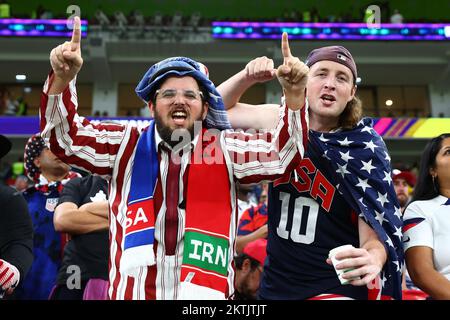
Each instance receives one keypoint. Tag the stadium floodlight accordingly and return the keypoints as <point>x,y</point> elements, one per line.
<point>121,20</point>
<point>194,21</point>
<point>176,26</point>
<point>177,20</point>
<point>158,19</point>
<point>159,31</point>
<point>139,22</point>
<point>139,19</point>
<point>102,18</point>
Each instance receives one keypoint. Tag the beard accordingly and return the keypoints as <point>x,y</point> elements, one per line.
<point>402,200</point>
<point>244,292</point>
<point>174,137</point>
<point>182,135</point>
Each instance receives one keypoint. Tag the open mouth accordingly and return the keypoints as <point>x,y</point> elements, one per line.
<point>179,116</point>
<point>327,99</point>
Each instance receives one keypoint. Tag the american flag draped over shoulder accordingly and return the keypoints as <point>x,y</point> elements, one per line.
<point>361,167</point>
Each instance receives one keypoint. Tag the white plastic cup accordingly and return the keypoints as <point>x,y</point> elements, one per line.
<point>335,262</point>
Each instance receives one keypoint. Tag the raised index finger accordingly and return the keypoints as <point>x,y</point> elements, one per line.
<point>285,46</point>
<point>76,33</point>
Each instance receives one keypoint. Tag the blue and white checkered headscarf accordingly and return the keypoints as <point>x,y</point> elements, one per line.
<point>182,66</point>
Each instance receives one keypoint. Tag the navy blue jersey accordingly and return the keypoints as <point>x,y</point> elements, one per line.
<point>89,251</point>
<point>307,218</point>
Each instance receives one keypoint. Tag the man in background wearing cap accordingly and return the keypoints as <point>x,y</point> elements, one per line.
<point>252,225</point>
<point>249,267</point>
<point>172,209</point>
<point>16,234</point>
<point>49,175</point>
<point>403,181</point>
<point>341,193</point>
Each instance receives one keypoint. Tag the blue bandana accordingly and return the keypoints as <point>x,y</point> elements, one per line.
<point>182,66</point>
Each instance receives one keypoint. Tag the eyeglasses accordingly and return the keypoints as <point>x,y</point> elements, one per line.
<point>170,94</point>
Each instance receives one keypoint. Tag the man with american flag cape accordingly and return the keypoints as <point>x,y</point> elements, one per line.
<point>341,193</point>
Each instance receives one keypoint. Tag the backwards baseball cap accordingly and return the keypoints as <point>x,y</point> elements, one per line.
<point>337,54</point>
<point>257,250</point>
<point>5,146</point>
<point>408,176</point>
<point>180,67</point>
<point>33,149</point>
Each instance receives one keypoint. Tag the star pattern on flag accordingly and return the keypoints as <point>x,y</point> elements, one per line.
<point>389,242</point>
<point>370,145</point>
<point>362,201</point>
<point>387,177</point>
<point>367,129</point>
<point>338,187</point>
<point>397,264</point>
<point>363,184</point>
<point>368,166</point>
<point>398,232</point>
<point>382,198</point>
<point>342,170</point>
<point>398,213</point>
<point>322,138</point>
<point>383,280</point>
<point>345,142</point>
<point>360,163</point>
<point>379,216</point>
<point>346,156</point>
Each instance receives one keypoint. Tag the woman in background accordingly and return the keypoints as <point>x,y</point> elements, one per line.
<point>426,225</point>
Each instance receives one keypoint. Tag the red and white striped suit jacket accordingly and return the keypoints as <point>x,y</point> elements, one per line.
<point>108,150</point>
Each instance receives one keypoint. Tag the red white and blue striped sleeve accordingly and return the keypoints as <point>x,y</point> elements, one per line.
<point>267,155</point>
<point>74,139</point>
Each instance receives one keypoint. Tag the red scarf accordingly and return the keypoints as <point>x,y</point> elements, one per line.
<point>209,228</point>
<point>209,237</point>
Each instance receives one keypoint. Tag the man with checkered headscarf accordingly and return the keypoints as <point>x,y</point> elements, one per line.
<point>171,195</point>
<point>49,174</point>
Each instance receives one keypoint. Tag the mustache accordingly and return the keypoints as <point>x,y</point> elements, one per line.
<point>179,108</point>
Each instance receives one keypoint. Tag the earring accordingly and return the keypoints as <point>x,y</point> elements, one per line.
<point>434,183</point>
